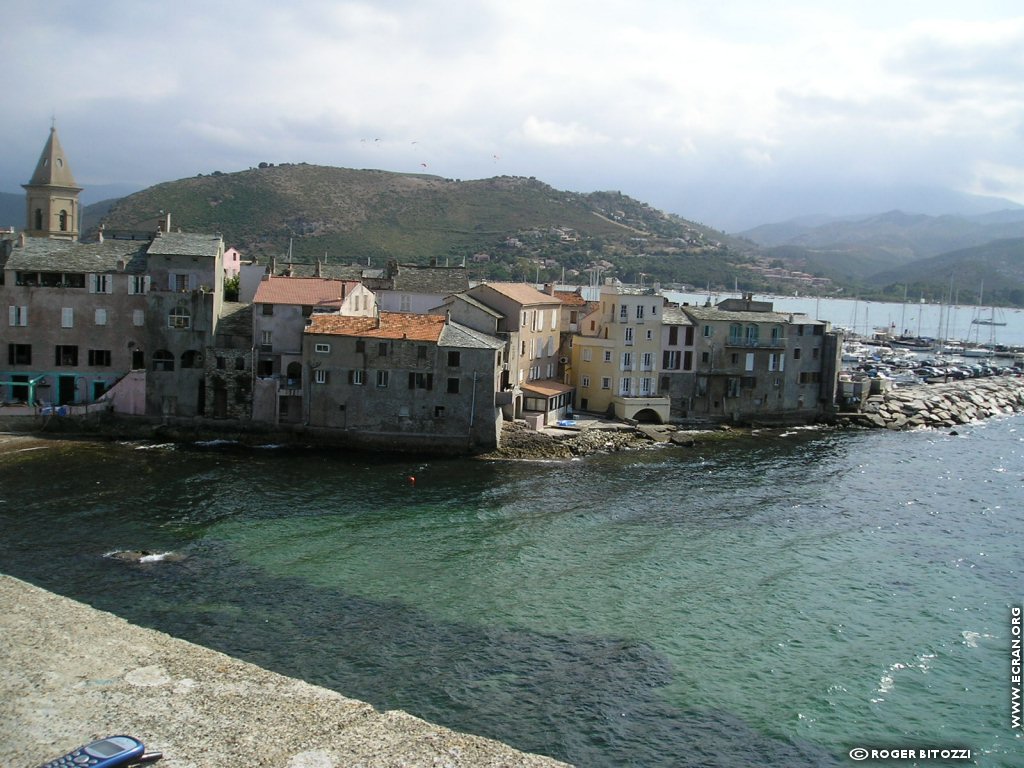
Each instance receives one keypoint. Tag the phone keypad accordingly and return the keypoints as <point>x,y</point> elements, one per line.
<point>72,760</point>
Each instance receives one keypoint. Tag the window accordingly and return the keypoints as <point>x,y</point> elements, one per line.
<point>421,352</point>
<point>138,284</point>
<point>606,383</point>
<point>383,379</point>
<point>454,359</point>
<point>707,331</point>
<point>382,349</point>
<point>63,219</point>
<point>607,355</point>
<point>646,386</point>
<point>99,358</point>
<point>647,362</point>
<point>163,361</point>
<point>320,376</point>
<point>705,357</point>
<point>268,309</point>
<point>19,354</point>
<point>101,283</point>
<point>404,303</point>
<point>749,363</point>
<point>222,363</point>
<point>732,388</point>
<point>438,411</point>
<point>688,361</point>
<point>585,382</point>
<point>179,318</point>
<point>17,316</point>
<point>266,338</point>
<point>629,335</point>
<point>67,317</point>
<point>360,346</point>
<point>67,354</point>
<point>796,353</point>
<point>453,385</point>
<point>670,360</point>
<point>357,377</point>
<point>810,377</point>
<point>625,386</point>
<point>322,349</point>
<point>623,313</point>
<point>138,317</point>
<point>179,283</point>
<point>627,361</point>
<point>421,380</point>
<point>639,312</point>
<point>101,317</point>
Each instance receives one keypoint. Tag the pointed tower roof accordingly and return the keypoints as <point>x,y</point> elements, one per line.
<point>53,170</point>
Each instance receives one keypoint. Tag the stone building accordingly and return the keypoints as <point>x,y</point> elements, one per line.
<point>51,197</point>
<point>753,364</point>
<point>403,381</point>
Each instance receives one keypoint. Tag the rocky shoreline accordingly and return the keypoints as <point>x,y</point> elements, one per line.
<point>519,442</point>
<point>940,406</point>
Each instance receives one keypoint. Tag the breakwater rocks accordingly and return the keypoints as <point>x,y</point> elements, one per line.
<point>941,405</point>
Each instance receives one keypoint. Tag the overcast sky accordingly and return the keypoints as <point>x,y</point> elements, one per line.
<point>711,109</point>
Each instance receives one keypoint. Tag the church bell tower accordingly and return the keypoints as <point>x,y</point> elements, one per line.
<point>52,195</point>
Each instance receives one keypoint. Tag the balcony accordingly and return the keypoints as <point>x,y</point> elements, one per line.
<point>756,343</point>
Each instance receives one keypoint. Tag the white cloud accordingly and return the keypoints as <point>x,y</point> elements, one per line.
<point>595,94</point>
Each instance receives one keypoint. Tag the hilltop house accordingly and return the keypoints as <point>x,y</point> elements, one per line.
<point>402,380</point>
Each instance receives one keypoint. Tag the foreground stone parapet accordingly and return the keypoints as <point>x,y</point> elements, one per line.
<point>70,674</point>
<point>942,405</point>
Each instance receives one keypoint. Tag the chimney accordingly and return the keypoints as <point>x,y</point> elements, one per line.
<point>447,317</point>
<point>21,240</point>
<point>99,234</point>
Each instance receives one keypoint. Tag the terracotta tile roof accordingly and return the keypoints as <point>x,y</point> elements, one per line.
<point>307,291</point>
<point>571,298</point>
<point>521,293</point>
<point>392,325</point>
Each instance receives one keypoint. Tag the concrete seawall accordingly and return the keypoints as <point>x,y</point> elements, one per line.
<point>942,405</point>
<point>70,674</point>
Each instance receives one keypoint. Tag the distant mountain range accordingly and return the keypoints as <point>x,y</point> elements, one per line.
<point>516,228</point>
<point>895,251</point>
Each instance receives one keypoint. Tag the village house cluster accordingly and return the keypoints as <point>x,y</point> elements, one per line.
<point>401,357</point>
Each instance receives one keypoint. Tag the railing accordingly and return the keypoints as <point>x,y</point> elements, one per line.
<point>743,341</point>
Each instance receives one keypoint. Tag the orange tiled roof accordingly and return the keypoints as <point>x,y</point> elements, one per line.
<point>522,293</point>
<point>301,290</point>
<point>392,325</point>
<point>572,298</point>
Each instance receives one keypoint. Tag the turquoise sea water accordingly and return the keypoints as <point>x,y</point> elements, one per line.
<point>769,601</point>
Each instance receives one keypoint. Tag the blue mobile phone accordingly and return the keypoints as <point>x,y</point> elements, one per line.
<point>105,753</point>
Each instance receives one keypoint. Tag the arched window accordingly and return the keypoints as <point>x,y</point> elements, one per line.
<point>39,218</point>
<point>179,317</point>
<point>735,332</point>
<point>752,333</point>
<point>294,373</point>
<point>63,221</point>
<point>163,360</point>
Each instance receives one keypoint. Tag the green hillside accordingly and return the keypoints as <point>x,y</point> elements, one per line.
<point>504,227</point>
<point>998,266</point>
